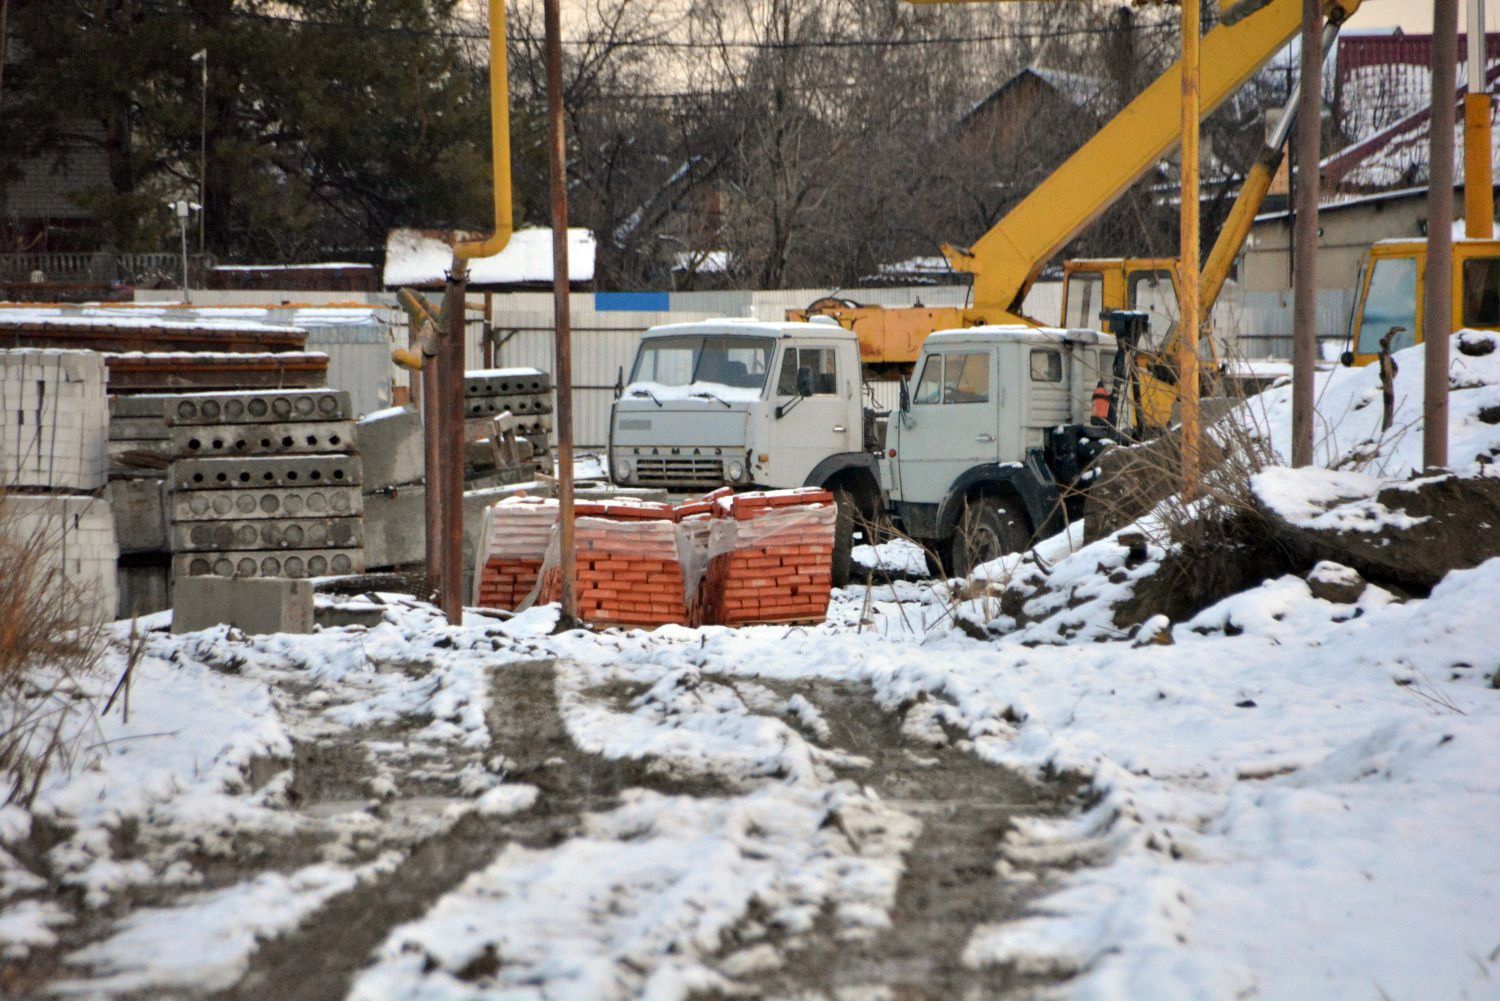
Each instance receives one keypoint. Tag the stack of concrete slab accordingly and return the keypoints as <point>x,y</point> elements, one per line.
<point>391,446</point>
<point>53,461</point>
<point>525,393</point>
<point>139,442</point>
<point>264,484</point>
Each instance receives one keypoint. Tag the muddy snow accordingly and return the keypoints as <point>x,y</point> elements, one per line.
<point>1283,796</point>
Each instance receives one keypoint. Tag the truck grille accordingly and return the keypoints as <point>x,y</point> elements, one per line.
<point>678,470</point>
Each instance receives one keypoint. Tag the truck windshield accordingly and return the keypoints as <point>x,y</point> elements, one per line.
<point>686,359</point>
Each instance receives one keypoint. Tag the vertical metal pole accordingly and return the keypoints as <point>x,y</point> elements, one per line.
<point>1305,232</point>
<point>489,330</point>
<point>1437,313</point>
<point>1479,171</point>
<point>1187,264</point>
<point>432,489</point>
<point>558,171</point>
<point>450,406</point>
<point>187,296</point>
<point>203,154</point>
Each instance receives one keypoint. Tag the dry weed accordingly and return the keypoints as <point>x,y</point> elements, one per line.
<point>48,648</point>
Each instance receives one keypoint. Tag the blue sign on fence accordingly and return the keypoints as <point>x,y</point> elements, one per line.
<point>636,302</point>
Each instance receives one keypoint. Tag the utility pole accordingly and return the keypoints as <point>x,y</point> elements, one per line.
<point>1479,171</point>
<point>1305,234</point>
<point>1437,314</point>
<point>1188,250</point>
<point>557,163</point>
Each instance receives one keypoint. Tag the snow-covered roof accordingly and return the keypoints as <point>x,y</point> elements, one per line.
<point>423,257</point>
<point>740,326</point>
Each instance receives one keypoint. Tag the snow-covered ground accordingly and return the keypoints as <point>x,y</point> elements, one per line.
<point>1285,797</point>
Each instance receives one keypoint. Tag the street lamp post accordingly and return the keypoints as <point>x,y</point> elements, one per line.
<point>201,56</point>
<point>183,209</point>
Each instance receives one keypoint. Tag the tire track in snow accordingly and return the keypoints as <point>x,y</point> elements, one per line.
<point>319,961</point>
<point>950,883</point>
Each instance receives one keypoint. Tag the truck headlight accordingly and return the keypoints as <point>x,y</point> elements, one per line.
<point>734,468</point>
<point>624,468</point>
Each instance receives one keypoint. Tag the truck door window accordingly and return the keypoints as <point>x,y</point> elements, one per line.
<point>823,364</point>
<point>1085,298</point>
<point>1390,302</point>
<point>1046,366</point>
<point>1152,292</point>
<point>954,378</point>
<point>1482,292</point>
<point>966,378</point>
<point>930,385</point>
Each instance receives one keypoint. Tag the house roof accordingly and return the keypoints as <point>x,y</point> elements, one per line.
<point>1076,88</point>
<point>1397,155</point>
<point>422,258</point>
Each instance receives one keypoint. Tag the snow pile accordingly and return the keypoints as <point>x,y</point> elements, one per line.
<point>1347,431</point>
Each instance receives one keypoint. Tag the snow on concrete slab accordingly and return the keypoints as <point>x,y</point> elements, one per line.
<point>423,257</point>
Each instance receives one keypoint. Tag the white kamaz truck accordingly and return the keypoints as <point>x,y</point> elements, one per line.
<point>973,463</point>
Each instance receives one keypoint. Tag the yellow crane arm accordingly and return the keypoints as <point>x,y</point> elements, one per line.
<point>1007,259</point>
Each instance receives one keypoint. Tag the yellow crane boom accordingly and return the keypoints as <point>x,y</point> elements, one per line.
<point>1007,259</point>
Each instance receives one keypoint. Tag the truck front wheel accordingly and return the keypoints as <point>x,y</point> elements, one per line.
<point>988,529</point>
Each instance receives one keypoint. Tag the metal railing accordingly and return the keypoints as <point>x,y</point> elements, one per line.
<point>87,267</point>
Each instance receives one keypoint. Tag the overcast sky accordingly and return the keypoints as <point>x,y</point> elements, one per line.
<point>1416,15</point>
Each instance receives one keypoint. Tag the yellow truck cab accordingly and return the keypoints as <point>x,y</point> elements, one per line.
<point>1391,293</point>
<point>1092,286</point>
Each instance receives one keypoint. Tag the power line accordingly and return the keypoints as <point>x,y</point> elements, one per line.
<point>689,44</point>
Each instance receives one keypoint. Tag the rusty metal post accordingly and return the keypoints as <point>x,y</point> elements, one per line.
<point>450,407</point>
<point>1188,250</point>
<point>557,162</point>
<point>1305,234</point>
<point>1437,313</point>
<point>432,494</point>
<point>488,351</point>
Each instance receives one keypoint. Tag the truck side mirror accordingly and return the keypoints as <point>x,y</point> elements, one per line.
<point>619,382</point>
<point>905,399</point>
<point>804,381</point>
<point>1347,359</point>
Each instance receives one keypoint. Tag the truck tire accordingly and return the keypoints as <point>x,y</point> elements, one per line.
<point>843,538</point>
<point>988,529</point>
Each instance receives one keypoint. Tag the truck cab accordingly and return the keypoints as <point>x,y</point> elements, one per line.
<point>1391,290</point>
<point>994,428</point>
<point>739,403</point>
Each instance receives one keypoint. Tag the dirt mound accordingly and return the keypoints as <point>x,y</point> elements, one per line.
<point>1405,536</point>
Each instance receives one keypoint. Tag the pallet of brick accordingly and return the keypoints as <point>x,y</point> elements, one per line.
<point>770,558</point>
<point>512,549</point>
<point>54,421</point>
<point>263,484</point>
<point>629,567</point>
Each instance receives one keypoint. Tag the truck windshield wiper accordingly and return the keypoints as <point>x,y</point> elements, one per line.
<point>646,392</point>
<point>707,395</point>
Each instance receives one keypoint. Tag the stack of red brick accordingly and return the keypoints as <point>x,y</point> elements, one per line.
<point>730,559</point>
<point>770,558</point>
<point>513,545</point>
<point>629,568</point>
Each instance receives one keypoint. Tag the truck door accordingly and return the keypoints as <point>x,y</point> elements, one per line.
<point>816,426</point>
<point>1047,400</point>
<point>953,424</point>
